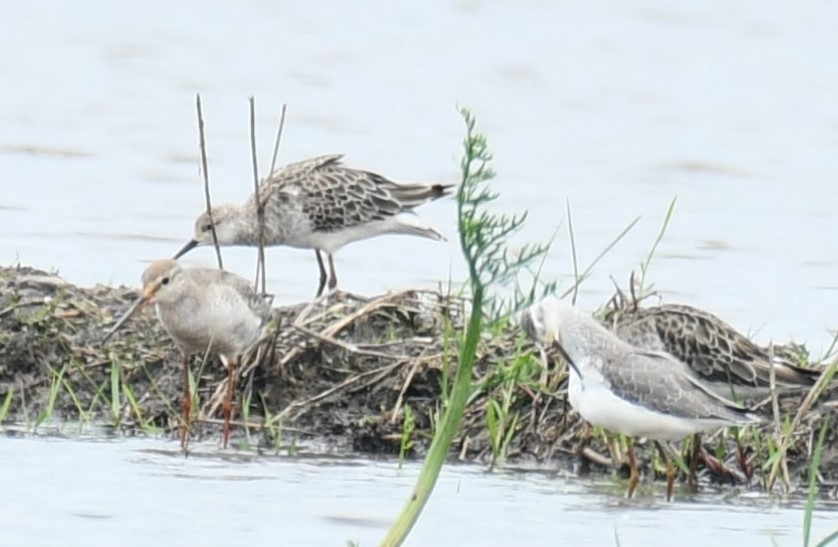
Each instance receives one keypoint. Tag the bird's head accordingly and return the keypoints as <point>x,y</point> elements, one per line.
<point>161,282</point>
<point>226,228</point>
<point>543,320</point>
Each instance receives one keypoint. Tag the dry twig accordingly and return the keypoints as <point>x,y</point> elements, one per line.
<point>205,171</point>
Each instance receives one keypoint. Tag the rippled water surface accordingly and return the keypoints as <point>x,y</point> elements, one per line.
<point>615,108</point>
<point>70,492</point>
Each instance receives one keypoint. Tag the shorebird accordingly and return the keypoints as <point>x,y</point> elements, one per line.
<point>619,387</point>
<point>727,362</point>
<point>204,311</point>
<point>323,205</point>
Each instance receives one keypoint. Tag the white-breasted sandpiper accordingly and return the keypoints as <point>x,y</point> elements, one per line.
<point>624,389</point>
<point>323,205</point>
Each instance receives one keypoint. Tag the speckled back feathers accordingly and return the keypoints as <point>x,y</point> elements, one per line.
<point>334,197</point>
<point>713,349</point>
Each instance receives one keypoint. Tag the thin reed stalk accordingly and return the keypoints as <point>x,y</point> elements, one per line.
<point>205,172</point>
<point>644,266</point>
<point>260,206</point>
<point>278,138</point>
<point>578,278</point>
<point>574,259</point>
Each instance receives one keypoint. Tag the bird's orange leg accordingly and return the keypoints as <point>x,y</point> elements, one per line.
<point>187,407</point>
<point>228,399</point>
<point>634,475</point>
<point>692,480</point>
<point>671,473</point>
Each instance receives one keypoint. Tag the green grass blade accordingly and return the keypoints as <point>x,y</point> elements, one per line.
<point>116,399</point>
<point>813,484</point>
<point>574,259</point>
<point>828,539</point>
<point>135,406</point>
<point>54,389</point>
<point>587,272</point>
<point>7,404</point>
<point>644,266</point>
<point>84,416</point>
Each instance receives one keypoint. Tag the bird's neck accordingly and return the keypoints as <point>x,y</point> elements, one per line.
<point>585,342</point>
<point>575,340</point>
<point>248,228</point>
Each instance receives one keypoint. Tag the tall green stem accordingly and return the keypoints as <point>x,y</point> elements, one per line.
<point>453,413</point>
<point>483,238</point>
<point>449,426</point>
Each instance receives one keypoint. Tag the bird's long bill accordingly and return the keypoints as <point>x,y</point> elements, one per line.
<point>186,248</point>
<point>137,305</point>
<point>567,359</point>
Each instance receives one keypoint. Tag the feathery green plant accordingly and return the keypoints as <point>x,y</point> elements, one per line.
<point>483,240</point>
<point>505,383</point>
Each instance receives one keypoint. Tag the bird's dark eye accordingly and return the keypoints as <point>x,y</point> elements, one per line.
<point>206,227</point>
<point>165,281</point>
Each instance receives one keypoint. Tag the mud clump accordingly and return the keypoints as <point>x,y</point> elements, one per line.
<point>347,373</point>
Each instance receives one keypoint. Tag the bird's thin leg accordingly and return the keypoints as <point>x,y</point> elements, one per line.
<point>187,406</point>
<point>228,399</point>
<point>742,460</point>
<point>712,463</point>
<point>616,454</point>
<point>323,276</point>
<point>634,475</point>
<point>692,480</point>
<point>670,471</point>
<point>261,269</point>
<point>333,279</point>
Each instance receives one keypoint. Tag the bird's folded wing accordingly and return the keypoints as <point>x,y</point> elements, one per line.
<point>661,383</point>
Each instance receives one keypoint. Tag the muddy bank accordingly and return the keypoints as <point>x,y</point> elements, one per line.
<point>350,374</point>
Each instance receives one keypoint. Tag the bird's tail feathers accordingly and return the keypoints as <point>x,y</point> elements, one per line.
<point>414,195</point>
<point>410,224</point>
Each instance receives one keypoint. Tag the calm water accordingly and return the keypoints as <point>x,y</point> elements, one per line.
<point>615,108</point>
<point>728,106</point>
<point>61,492</point>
